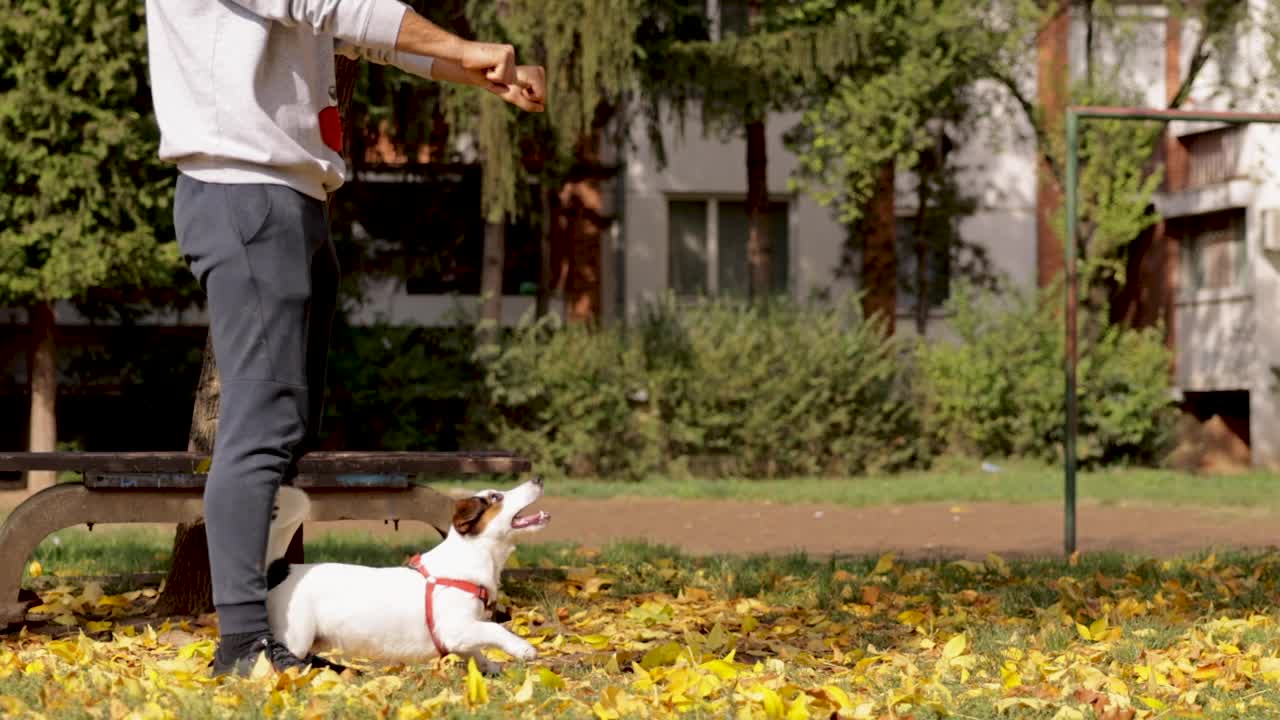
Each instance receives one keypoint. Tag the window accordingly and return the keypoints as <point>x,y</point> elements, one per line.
<point>937,256</point>
<point>708,247</point>
<point>734,17</point>
<point>427,230</point>
<point>1213,250</point>
<point>687,228</point>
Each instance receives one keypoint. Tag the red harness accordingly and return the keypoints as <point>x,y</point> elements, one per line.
<point>433,582</point>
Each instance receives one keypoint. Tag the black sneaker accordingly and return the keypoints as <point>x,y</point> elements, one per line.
<point>226,661</point>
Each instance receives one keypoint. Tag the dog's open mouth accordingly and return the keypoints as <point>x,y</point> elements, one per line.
<point>538,519</point>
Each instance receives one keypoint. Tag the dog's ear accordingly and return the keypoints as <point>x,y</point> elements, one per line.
<point>467,513</point>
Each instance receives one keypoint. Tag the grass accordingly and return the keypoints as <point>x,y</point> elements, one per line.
<point>1027,607</point>
<point>1022,606</point>
<point>952,481</point>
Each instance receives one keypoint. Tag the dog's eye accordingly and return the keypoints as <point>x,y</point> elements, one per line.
<point>495,497</point>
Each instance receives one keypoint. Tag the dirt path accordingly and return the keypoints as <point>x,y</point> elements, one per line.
<point>968,529</point>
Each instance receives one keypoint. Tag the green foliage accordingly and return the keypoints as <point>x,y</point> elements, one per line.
<point>562,395</point>
<point>590,50</point>
<point>759,391</point>
<point>395,387</point>
<point>924,57</point>
<point>1116,180</point>
<point>84,201</point>
<point>746,76</point>
<point>1117,184</point>
<point>998,390</point>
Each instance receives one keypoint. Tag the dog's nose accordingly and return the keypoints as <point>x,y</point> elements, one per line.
<point>537,481</point>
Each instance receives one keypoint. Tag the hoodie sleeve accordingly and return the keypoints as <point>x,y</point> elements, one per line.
<point>419,65</point>
<point>365,23</point>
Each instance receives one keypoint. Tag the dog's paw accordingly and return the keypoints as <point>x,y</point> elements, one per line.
<point>525,652</point>
<point>487,666</point>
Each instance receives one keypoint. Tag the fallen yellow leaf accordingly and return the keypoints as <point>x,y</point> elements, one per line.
<point>884,565</point>
<point>477,688</point>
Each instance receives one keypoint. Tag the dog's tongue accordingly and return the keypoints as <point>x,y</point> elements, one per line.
<point>540,518</point>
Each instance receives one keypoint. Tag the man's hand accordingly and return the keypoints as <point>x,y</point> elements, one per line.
<point>496,61</point>
<point>529,92</point>
<point>420,36</point>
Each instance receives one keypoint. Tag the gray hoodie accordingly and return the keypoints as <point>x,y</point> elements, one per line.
<point>244,90</point>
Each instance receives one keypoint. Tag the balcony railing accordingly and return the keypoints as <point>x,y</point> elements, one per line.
<point>1211,157</point>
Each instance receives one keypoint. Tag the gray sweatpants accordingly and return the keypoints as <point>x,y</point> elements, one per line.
<point>263,256</point>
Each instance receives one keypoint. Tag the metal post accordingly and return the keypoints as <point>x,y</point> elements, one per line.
<point>1069,435</point>
<point>1074,114</point>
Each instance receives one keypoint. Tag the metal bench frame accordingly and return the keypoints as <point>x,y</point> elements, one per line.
<point>168,488</point>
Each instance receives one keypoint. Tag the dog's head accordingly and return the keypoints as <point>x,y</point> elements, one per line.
<point>495,515</point>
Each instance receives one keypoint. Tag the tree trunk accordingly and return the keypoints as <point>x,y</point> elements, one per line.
<point>577,228</point>
<point>545,280</point>
<point>188,589</point>
<point>879,256</point>
<point>758,249</point>
<point>495,238</point>
<point>1053,55</point>
<point>921,248</point>
<point>204,415</point>
<point>43,377</point>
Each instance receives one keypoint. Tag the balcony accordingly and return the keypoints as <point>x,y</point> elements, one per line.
<point>1201,159</point>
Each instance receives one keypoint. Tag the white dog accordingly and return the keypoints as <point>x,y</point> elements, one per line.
<point>439,604</point>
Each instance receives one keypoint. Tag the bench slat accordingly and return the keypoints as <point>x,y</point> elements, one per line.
<point>196,481</point>
<point>313,463</point>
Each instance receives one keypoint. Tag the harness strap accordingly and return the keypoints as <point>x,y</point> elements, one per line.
<point>433,582</point>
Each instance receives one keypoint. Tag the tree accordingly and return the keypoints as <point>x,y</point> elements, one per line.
<point>936,54</point>
<point>1117,178</point>
<point>776,57</point>
<point>84,201</point>
<point>899,108</point>
<point>544,170</point>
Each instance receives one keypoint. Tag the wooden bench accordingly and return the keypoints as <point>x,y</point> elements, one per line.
<point>167,487</point>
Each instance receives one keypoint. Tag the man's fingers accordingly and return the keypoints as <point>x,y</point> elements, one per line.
<point>497,61</point>
<point>504,74</point>
<point>504,70</point>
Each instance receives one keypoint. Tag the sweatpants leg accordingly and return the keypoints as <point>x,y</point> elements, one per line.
<point>255,250</point>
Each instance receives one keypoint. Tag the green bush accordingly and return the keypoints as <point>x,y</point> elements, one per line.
<point>561,395</point>
<point>396,387</point>
<point>719,388</point>
<point>714,387</point>
<point>997,391</point>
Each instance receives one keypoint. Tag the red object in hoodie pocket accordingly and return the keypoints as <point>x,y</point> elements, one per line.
<point>331,128</point>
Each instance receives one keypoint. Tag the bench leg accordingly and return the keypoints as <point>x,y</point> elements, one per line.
<point>70,504</point>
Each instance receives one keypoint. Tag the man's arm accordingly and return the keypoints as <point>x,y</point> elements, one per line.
<point>526,94</point>
<point>420,65</point>
<point>420,36</point>
<point>389,24</point>
<point>367,23</point>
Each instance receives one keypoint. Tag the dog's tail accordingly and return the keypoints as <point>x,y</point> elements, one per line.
<point>291,509</point>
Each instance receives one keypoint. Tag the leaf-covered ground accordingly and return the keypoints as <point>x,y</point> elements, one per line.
<point>637,631</point>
